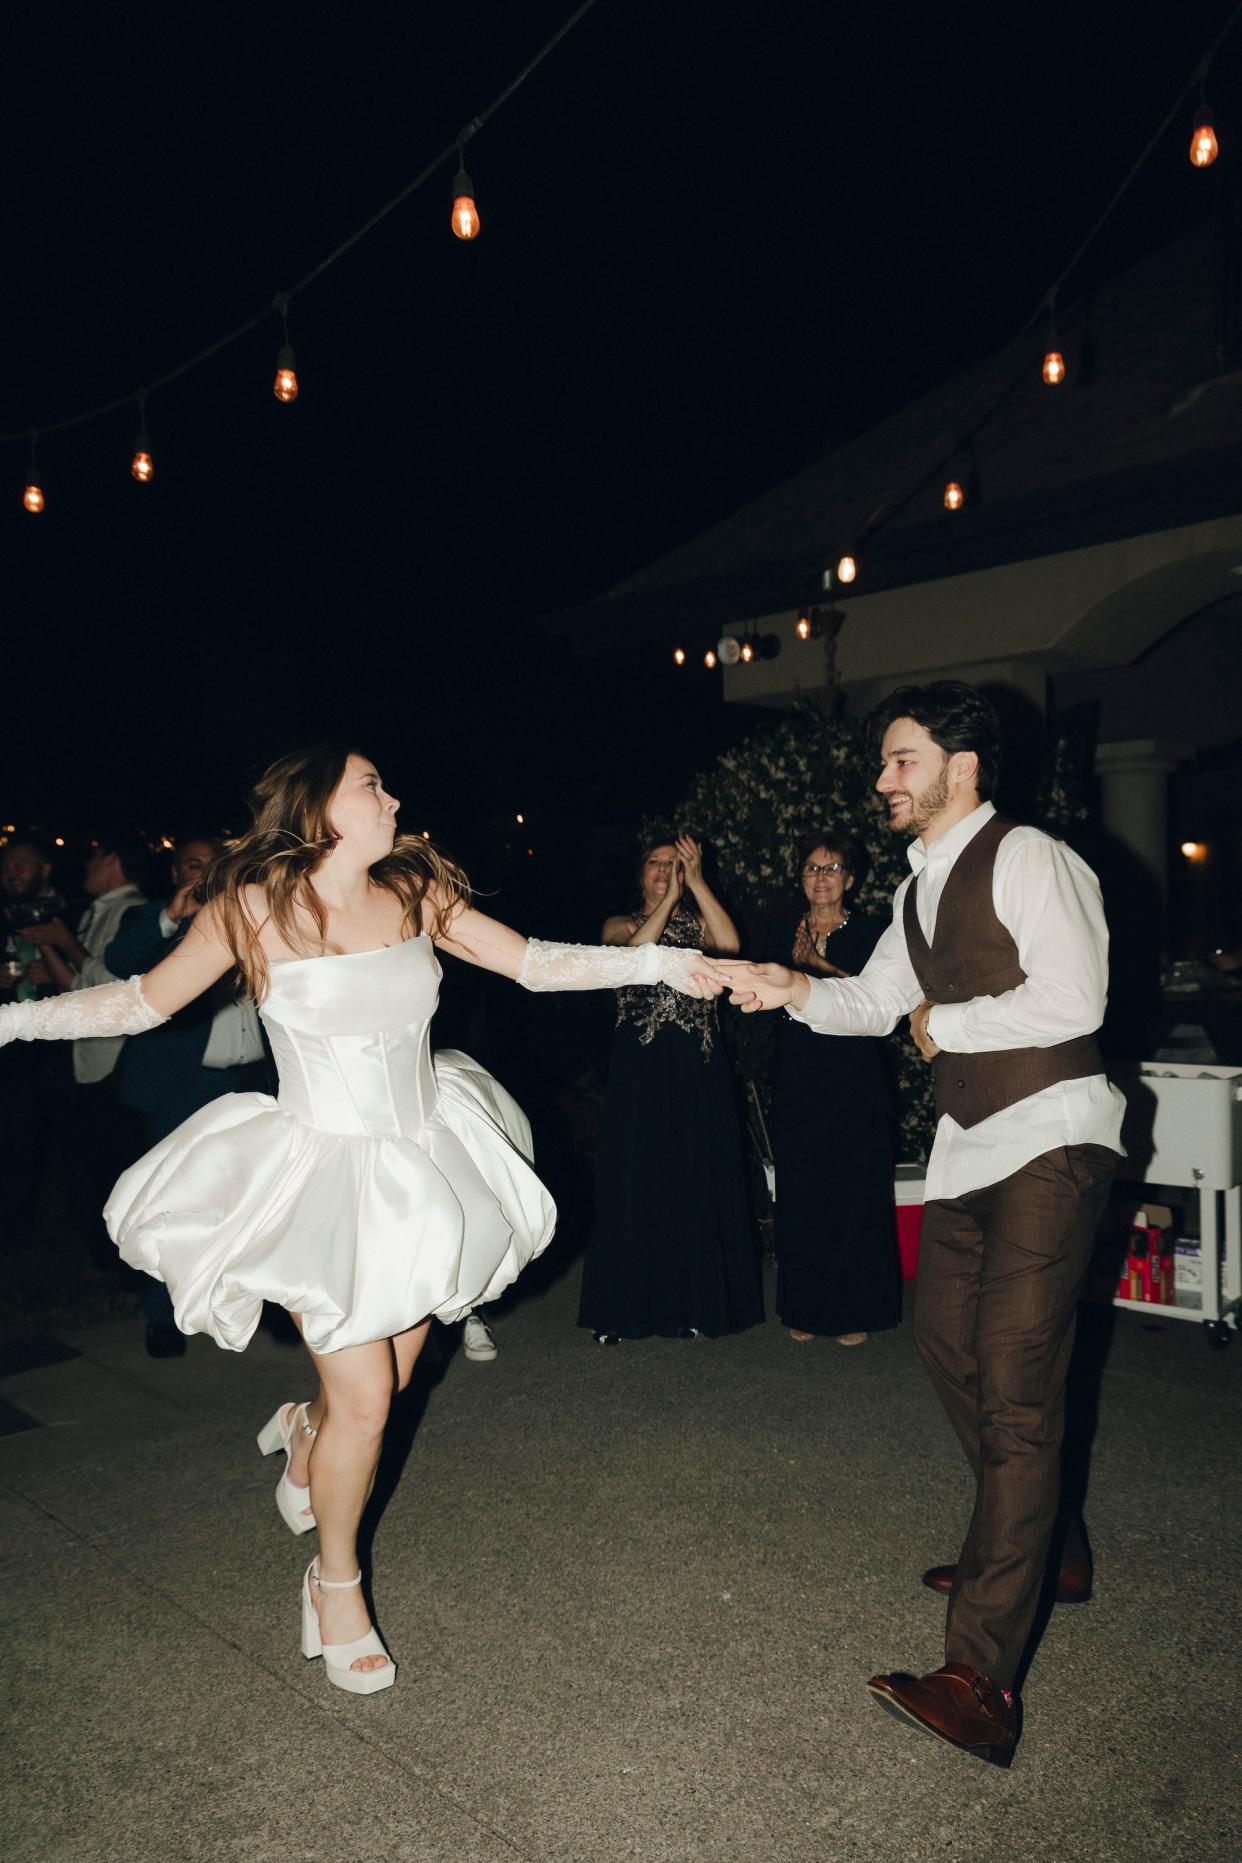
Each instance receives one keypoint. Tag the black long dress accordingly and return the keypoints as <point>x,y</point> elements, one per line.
<point>838,1270</point>
<point>673,1243</point>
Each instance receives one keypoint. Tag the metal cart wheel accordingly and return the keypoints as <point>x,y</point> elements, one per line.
<point>1219,1334</point>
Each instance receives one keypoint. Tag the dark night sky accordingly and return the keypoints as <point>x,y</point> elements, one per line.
<point>717,239</point>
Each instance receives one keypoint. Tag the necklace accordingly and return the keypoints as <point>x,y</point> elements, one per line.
<point>820,945</point>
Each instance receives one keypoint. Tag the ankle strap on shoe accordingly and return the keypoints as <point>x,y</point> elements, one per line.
<point>336,1584</point>
<point>306,1426</point>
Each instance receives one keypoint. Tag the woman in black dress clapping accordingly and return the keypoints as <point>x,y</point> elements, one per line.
<point>672,1250</point>
<point>838,1270</point>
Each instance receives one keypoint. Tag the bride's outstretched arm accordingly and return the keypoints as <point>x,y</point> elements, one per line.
<point>538,965</point>
<point>131,1007</point>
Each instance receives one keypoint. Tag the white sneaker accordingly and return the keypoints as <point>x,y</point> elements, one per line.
<point>479,1341</point>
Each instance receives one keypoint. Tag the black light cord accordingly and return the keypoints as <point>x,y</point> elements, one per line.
<point>282,301</point>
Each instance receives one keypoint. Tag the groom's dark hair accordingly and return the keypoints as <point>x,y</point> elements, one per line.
<point>955,716</point>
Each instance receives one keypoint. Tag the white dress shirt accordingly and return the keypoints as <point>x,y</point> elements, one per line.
<point>1049,902</point>
<point>95,1056</point>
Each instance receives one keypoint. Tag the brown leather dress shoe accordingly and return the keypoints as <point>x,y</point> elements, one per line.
<point>958,1705</point>
<point>1073,1582</point>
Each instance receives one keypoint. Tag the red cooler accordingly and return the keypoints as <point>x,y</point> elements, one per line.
<point>908,1192</point>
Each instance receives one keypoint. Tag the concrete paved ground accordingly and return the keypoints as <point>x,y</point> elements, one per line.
<point>634,1594</point>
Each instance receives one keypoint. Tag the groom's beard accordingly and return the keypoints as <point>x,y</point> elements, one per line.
<point>925,808</point>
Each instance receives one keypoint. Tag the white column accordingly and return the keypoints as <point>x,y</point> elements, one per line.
<point>1134,797</point>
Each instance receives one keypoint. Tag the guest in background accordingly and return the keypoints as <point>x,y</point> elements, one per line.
<point>107,1133</point>
<point>672,1250</point>
<point>35,1085</point>
<point>838,1271</point>
<point>211,1047</point>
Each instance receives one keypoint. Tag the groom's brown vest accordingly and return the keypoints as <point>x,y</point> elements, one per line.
<point>972,955</point>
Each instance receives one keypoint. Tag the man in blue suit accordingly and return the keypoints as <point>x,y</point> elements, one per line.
<point>210,1047</point>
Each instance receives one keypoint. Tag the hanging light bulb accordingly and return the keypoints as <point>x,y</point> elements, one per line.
<point>465,219</point>
<point>679,656</point>
<point>141,465</point>
<point>954,496</point>
<point>1054,361</point>
<point>802,626</point>
<point>285,387</point>
<point>847,569</point>
<point>709,659</point>
<point>746,652</point>
<point>1204,147</point>
<point>32,497</point>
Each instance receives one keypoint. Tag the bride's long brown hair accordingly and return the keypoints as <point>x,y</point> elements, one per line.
<point>288,838</point>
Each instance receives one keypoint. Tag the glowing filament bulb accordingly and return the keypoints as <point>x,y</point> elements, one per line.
<point>1204,147</point>
<point>709,659</point>
<point>1054,368</point>
<point>465,220</point>
<point>748,652</point>
<point>679,656</point>
<point>32,498</point>
<point>803,625</point>
<point>954,496</point>
<point>847,569</point>
<point>285,387</point>
<point>141,466</point>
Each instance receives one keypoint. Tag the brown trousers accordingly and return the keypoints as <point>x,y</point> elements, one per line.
<point>1000,1272</point>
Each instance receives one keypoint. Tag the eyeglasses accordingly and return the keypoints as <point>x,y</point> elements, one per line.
<point>833,866</point>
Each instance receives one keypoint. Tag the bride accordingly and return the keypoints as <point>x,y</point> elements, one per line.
<point>382,1187</point>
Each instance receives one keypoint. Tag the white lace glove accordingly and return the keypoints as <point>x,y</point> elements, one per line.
<point>109,1009</point>
<point>607,966</point>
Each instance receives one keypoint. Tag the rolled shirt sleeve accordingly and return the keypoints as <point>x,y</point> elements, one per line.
<point>1049,901</point>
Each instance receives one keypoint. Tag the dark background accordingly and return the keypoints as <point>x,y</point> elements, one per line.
<point>717,238</point>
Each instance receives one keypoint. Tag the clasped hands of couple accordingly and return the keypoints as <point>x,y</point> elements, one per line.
<point>773,986</point>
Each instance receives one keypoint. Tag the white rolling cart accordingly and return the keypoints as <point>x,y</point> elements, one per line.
<point>1183,1128</point>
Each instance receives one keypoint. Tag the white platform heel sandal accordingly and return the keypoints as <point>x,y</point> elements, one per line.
<point>277,1433</point>
<point>337,1657</point>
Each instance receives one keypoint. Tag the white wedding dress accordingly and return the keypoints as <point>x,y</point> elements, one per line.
<point>381,1185</point>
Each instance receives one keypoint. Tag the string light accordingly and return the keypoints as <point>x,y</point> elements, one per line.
<point>285,387</point>
<point>521,820</point>
<point>32,497</point>
<point>141,466</point>
<point>709,659</point>
<point>954,496</point>
<point>802,626</point>
<point>847,569</point>
<point>465,219</point>
<point>679,656</point>
<point>746,652</point>
<point>1054,361</point>
<point>1204,147</point>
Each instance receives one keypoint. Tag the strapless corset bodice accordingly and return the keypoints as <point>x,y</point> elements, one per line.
<point>351,1039</point>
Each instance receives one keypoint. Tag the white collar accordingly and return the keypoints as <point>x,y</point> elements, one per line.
<point>950,845</point>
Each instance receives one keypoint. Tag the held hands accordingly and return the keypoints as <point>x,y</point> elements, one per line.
<point>759,986</point>
<point>918,1029</point>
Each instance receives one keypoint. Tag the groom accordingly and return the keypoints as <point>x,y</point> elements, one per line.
<point>998,954</point>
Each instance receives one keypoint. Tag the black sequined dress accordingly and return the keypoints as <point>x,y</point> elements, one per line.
<point>673,1243</point>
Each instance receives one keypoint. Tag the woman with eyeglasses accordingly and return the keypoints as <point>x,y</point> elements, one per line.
<point>838,1271</point>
